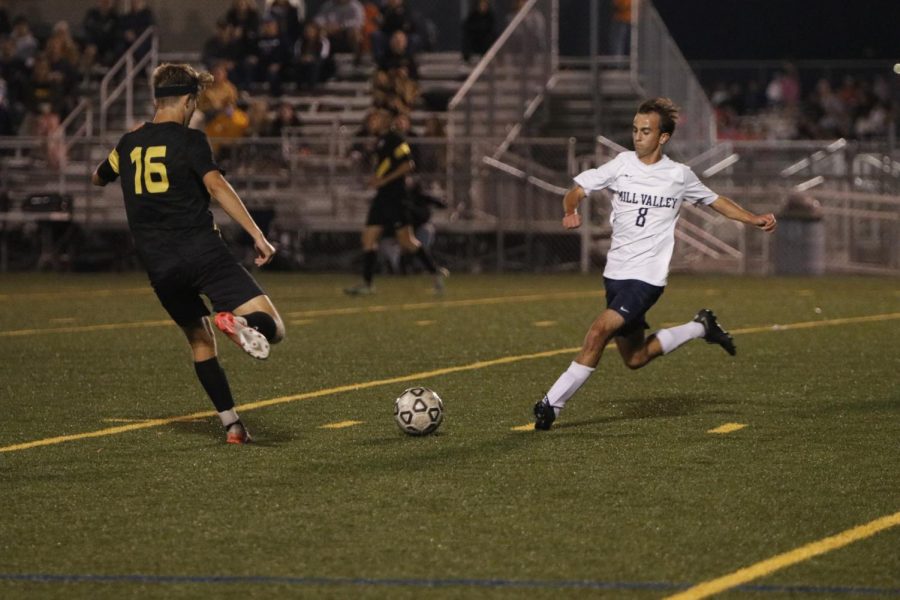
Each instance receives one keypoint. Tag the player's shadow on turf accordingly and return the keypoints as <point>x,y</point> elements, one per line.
<point>263,434</point>
<point>660,407</point>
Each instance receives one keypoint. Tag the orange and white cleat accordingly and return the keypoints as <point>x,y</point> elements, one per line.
<point>236,433</point>
<point>249,339</point>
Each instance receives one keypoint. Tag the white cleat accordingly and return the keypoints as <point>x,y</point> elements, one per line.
<point>249,339</point>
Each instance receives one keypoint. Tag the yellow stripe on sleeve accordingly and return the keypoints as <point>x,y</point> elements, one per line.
<point>114,160</point>
<point>383,168</point>
<point>402,150</point>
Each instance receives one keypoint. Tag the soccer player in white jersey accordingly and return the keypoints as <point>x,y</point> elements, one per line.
<point>649,191</point>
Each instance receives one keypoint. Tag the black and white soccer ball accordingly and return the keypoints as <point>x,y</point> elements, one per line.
<point>418,411</point>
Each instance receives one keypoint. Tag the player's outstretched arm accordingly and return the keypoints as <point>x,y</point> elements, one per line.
<point>571,218</point>
<point>732,210</point>
<point>221,190</point>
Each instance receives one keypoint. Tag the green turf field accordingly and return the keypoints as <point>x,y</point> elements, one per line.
<point>113,486</point>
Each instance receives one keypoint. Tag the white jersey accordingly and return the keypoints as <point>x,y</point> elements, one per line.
<point>645,208</point>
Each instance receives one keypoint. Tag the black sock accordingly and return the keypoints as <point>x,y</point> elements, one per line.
<point>426,260</point>
<point>214,381</point>
<point>263,323</point>
<point>370,257</point>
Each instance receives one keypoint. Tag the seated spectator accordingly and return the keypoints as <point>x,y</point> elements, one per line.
<point>270,57</point>
<point>479,30</point>
<point>342,21</point>
<point>394,17</point>
<point>290,15</point>
<point>45,87</point>
<point>225,127</point>
<point>219,96</point>
<point>399,56</point>
<point>5,23</point>
<point>7,120</point>
<point>313,61</point>
<point>14,71</point>
<point>286,116</point>
<point>24,42</point>
<point>101,28</point>
<point>222,47</point>
<point>134,23</point>
<point>244,21</point>
<point>64,57</point>
<point>531,35</point>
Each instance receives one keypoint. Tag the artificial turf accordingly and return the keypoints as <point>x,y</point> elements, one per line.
<point>628,496</point>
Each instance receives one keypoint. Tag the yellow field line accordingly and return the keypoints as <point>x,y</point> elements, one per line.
<point>105,293</point>
<point>353,310</point>
<point>769,566</point>
<point>84,328</point>
<point>353,387</point>
<point>727,428</point>
<point>340,425</point>
<point>356,310</point>
<point>400,379</point>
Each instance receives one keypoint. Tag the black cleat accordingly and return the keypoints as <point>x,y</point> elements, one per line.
<point>714,332</point>
<point>544,415</point>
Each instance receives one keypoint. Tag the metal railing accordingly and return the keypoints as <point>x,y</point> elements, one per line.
<point>504,89</point>
<point>659,69</point>
<point>132,65</point>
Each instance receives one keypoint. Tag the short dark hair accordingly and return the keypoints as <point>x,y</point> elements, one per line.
<point>665,108</point>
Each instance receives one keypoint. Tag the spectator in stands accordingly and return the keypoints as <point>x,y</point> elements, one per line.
<point>531,35</point>
<point>271,56</point>
<point>101,29</point>
<point>7,122</point>
<point>394,17</point>
<point>285,116</point>
<point>371,24</point>
<point>221,47</point>
<point>290,15</point>
<point>44,91</point>
<point>25,44</point>
<point>620,28</point>
<point>135,22</point>
<point>479,30</point>
<point>219,96</point>
<point>5,23</point>
<point>244,20</point>
<point>16,74</point>
<point>342,21</point>
<point>399,56</point>
<point>64,57</point>
<point>313,61</point>
<point>225,127</point>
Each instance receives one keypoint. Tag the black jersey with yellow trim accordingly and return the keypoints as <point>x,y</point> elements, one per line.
<point>391,152</point>
<point>161,166</point>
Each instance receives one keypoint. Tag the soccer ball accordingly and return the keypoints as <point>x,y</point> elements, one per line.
<point>418,411</point>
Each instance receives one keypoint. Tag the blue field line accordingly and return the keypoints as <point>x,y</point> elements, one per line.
<point>427,583</point>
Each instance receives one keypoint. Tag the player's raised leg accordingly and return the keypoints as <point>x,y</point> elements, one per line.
<point>602,330</point>
<point>253,326</point>
<point>206,365</point>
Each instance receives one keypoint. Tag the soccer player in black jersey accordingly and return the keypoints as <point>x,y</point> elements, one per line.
<point>389,211</point>
<point>168,176</point>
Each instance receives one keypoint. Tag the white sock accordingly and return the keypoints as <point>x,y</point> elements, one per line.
<point>672,338</point>
<point>567,384</point>
<point>228,417</point>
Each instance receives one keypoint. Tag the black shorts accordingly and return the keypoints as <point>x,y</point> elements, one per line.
<point>632,299</point>
<point>389,212</point>
<point>183,267</point>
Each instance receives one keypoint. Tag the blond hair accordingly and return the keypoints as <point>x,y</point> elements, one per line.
<point>178,74</point>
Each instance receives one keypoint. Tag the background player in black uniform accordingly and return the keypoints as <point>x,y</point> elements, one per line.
<point>168,176</point>
<point>389,210</point>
